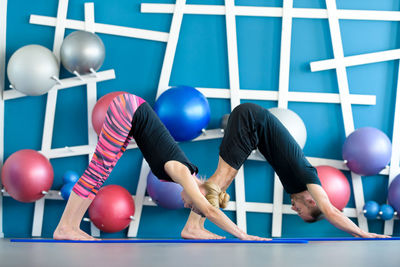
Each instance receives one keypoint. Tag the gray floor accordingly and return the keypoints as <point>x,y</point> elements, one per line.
<point>324,254</point>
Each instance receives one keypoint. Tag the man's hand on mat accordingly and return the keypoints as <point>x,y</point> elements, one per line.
<point>253,237</point>
<point>371,235</point>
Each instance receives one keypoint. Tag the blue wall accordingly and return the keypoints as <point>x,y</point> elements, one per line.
<point>201,61</point>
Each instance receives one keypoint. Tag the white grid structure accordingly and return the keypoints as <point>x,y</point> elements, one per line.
<point>344,98</point>
<point>3,25</point>
<point>234,93</point>
<point>61,23</point>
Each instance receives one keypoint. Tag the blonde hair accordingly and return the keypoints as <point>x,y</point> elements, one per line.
<point>215,195</point>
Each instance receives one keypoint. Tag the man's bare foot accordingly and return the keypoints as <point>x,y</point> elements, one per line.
<point>70,233</point>
<point>199,233</point>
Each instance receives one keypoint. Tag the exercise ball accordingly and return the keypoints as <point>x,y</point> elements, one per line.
<point>394,194</point>
<point>82,51</point>
<point>152,183</point>
<point>166,194</point>
<point>386,212</point>
<point>224,121</point>
<point>99,111</point>
<point>112,208</point>
<point>335,184</point>
<point>367,151</point>
<point>66,190</point>
<point>371,209</point>
<point>184,111</point>
<point>30,69</point>
<point>293,123</point>
<point>70,177</point>
<point>26,174</point>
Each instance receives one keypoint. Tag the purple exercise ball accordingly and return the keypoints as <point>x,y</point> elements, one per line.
<point>166,194</point>
<point>152,182</point>
<point>394,194</point>
<point>367,151</point>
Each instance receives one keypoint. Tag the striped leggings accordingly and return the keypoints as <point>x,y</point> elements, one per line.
<point>113,140</point>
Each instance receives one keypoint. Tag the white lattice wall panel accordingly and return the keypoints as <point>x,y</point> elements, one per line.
<point>282,95</point>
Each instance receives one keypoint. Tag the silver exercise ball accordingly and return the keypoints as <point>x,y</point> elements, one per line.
<point>82,51</point>
<point>224,121</point>
<point>30,69</point>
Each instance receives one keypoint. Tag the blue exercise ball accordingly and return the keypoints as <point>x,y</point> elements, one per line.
<point>166,194</point>
<point>70,177</point>
<point>184,111</point>
<point>386,212</point>
<point>367,151</point>
<point>371,209</point>
<point>66,190</point>
<point>224,121</point>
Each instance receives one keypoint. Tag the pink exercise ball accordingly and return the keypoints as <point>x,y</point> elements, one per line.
<point>100,110</point>
<point>112,209</point>
<point>335,184</point>
<point>26,174</point>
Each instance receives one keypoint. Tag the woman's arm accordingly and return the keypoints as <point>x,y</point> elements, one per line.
<point>336,217</point>
<point>181,174</point>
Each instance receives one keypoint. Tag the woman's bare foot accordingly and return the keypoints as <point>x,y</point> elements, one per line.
<point>88,236</point>
<point>70,233</point>
<point>198,233</point>
<point>215,235</point>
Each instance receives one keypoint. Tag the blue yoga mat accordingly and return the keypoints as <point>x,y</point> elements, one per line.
<point>352,239</point>
<point>223,241</point>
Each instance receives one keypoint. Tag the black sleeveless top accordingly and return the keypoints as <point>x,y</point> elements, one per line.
<point>156,143</point>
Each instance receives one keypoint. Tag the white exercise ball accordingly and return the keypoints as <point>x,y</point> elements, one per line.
<point>293,123</point>
<point>82,51</point>
<point>30,69</point>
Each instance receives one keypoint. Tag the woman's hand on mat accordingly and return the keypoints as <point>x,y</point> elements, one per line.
<point>253,237</point>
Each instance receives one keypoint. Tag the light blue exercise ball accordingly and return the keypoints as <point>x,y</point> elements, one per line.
<point>386,212</point>
<point>371,209</point>
<point>66,190</point>
<point>70,177</point>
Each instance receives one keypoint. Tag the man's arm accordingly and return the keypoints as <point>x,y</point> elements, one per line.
<point>335,216</point>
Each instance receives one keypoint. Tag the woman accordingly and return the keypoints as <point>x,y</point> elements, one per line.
<point>250,127</point>
<point>128,117</point>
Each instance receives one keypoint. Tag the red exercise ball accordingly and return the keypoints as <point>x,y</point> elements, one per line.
<point>112,208</point>
<point>335,184</point>
<point>100,110</point>
<point>26,174</point>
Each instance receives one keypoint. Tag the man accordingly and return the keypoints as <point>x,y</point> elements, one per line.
<point>250,127</point>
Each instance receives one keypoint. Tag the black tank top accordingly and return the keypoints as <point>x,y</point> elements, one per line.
<point>156,143</point>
